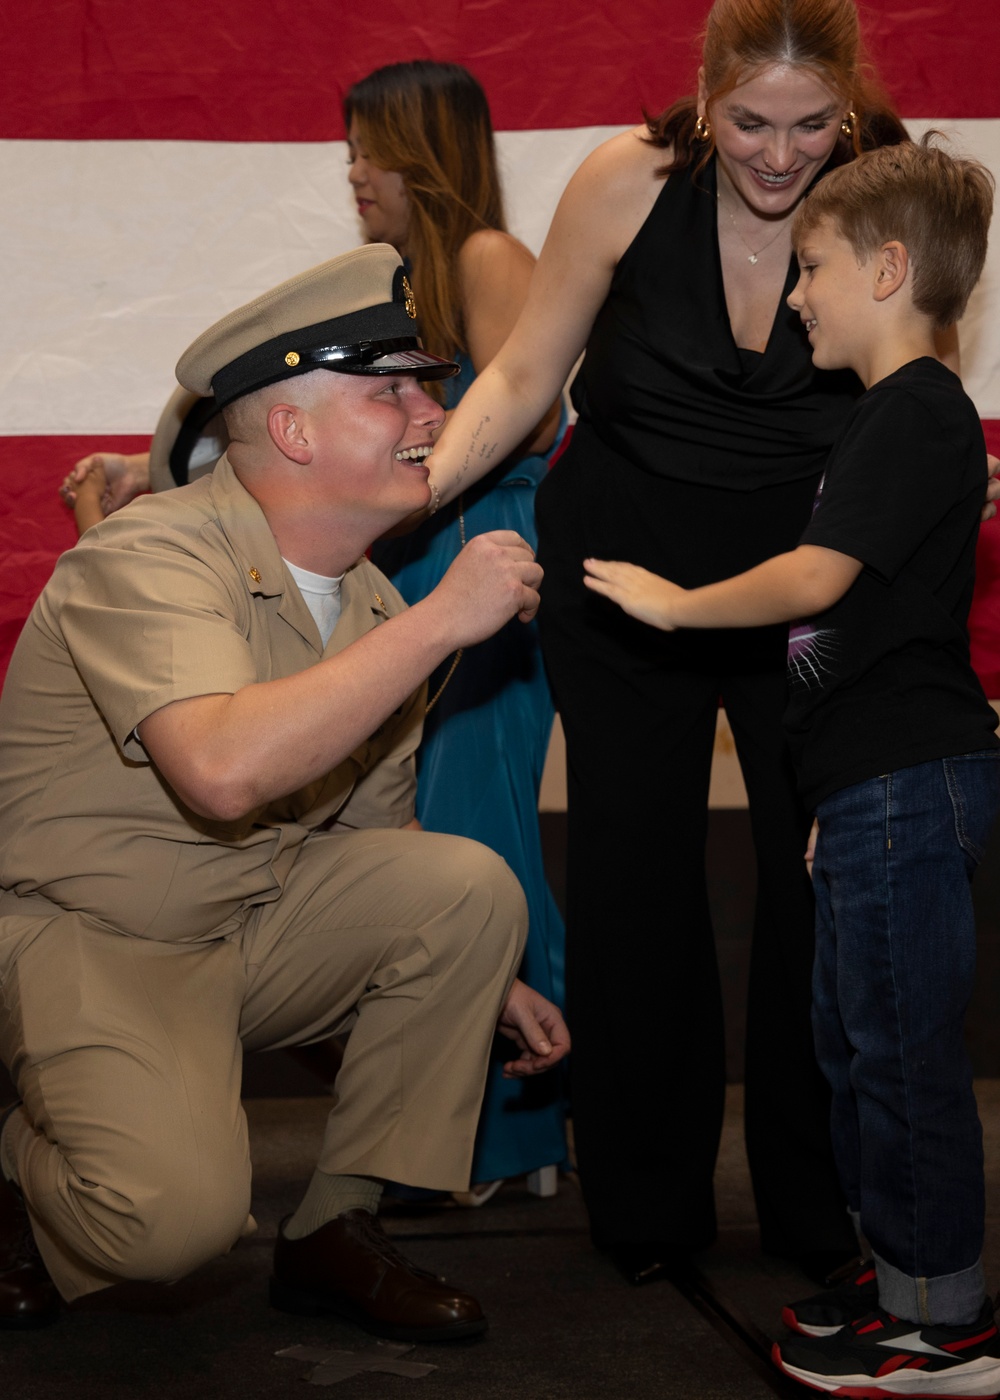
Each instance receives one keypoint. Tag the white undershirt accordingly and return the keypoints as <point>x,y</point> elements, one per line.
<point>321,596</point>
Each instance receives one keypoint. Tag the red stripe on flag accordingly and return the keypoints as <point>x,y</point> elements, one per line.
<point>35,527</point>
<point>276,70</point>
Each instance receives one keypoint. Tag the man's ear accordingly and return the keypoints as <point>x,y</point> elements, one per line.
<point>286,429</point>
<point>892,265</point>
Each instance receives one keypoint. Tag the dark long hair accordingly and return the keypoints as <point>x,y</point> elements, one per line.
<point>431,123</point>
<point>743,36</point>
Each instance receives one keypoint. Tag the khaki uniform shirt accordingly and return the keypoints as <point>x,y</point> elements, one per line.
<point>181,594</point>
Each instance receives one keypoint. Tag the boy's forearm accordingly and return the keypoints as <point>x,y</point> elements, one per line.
<point>803,582</point>
<point>779,590</point>
<point>798,584</point>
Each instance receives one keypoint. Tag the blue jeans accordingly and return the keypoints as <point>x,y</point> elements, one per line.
<point>895,960</point>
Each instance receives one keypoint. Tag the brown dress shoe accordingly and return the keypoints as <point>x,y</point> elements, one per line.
<point>28,1297</point>
<point>351,1268</point>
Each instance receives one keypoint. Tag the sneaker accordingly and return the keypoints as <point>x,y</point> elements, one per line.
<point>879,1355</point>
<point>825,1313</point>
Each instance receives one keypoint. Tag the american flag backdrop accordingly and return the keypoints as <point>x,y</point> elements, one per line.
<point>165,160</point>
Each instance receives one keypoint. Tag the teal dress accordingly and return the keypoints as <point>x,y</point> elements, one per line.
<point>479,768</point>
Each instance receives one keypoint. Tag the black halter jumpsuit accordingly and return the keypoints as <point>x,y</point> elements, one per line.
<point>697,460</point>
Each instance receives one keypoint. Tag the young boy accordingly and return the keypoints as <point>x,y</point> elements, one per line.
<point>894,744</point>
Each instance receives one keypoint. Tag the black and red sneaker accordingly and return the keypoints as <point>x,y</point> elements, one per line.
<point>881,1355</point>
<point>825,1313</point>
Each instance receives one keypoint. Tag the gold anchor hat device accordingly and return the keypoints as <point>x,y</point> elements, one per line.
<point>354,314</point>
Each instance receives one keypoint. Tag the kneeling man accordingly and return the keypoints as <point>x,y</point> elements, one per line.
<point>207,838</point>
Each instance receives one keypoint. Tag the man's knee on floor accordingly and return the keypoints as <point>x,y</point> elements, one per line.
<point>168,1238</point>
<point>158,1233</point>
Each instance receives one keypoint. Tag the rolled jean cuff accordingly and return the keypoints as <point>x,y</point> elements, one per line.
<point>949,1300</point>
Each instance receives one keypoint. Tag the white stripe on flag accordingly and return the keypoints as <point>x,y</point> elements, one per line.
<point>118,253</point>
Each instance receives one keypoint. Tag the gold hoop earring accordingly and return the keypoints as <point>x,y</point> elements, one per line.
<point>847,125</point>
<point>703,129</point>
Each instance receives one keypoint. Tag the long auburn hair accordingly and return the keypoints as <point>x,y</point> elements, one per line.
<point>431,123</point>
<point>742,36</point>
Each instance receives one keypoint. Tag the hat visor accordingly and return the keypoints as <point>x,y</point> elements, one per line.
<point>416,362</point>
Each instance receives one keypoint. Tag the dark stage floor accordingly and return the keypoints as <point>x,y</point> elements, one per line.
<point>563,1326</point>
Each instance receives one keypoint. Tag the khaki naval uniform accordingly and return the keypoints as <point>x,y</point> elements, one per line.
<point>142,945</point>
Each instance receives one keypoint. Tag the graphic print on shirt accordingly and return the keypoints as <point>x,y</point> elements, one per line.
<point>812,650</point>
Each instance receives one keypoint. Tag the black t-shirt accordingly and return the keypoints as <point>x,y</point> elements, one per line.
<point>882,680</point>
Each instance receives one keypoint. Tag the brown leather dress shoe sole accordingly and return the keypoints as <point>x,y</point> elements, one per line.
<point>350,1268</point>
<point>28,1297</point>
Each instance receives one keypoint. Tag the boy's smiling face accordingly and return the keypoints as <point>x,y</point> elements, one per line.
<point>833,297</point>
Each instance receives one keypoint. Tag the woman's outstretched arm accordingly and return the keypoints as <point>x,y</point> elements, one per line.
<point>603,208</point>
<point>495,274</point>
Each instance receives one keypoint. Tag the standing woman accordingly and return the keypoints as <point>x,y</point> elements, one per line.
<point>703,430</point>
<point>423,170</point>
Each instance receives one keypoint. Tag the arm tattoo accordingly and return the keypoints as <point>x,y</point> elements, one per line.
<point>478,452</point>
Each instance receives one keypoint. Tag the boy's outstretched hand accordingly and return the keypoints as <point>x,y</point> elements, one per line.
<point>642,594</point>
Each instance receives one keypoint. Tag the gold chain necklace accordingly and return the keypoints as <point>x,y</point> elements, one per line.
<point>458,655</point>
<point>754,252</point>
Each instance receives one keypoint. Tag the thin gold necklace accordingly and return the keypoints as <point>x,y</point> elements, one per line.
<point>754,252</point>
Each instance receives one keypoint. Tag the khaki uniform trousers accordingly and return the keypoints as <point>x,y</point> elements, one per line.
<point>131,1145</point>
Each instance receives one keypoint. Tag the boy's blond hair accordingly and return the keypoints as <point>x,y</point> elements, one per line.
<point>937,205</point>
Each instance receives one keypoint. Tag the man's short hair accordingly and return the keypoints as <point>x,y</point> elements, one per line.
<point>937,205</point>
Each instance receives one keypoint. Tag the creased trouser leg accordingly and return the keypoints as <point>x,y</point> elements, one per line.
<point>131,1148</point>
<point>422,934</point>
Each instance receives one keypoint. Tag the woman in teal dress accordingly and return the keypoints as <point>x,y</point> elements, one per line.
<point>423,170</point>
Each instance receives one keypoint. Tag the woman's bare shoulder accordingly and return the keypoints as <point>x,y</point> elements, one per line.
<point>623,163</point>
<point>615,188</point>
<point>494,270</point>
<point>491,248</point>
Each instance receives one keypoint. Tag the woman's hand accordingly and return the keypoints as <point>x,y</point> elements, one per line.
<point>125,476</point>
<point>88,504</point>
